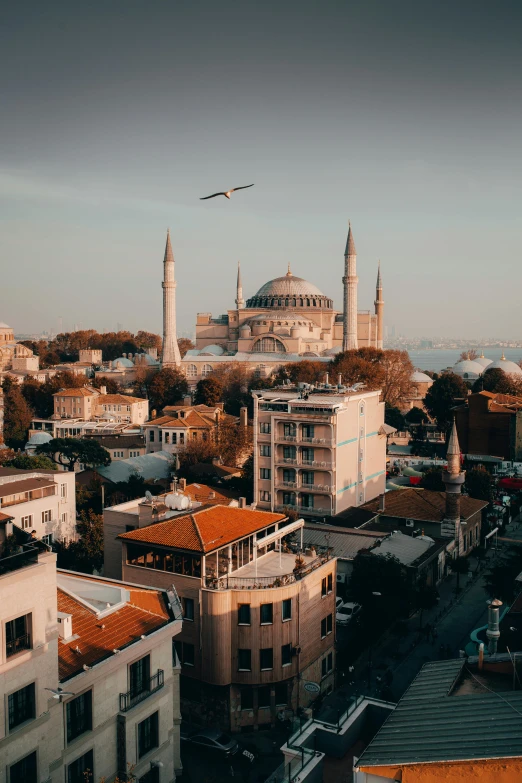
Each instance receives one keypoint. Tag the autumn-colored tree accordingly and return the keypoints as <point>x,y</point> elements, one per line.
<point>233,442</point>
<point>355,369</point>
<point>209,391</point>
<point>396,382</point>
<point>235,379</point>
<point>305,371</point>
<point>146,340</point>
<point>17,415</point>
<point>166,387</point>
<point>184,345</point>
<point>194,452</point>
<point>6,454</point>
<point>442,396</point>
<point>40,395</point>
<point>470,355</point>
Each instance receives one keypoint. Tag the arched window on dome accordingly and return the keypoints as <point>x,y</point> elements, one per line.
<point>279,302</point>
<point>273,303</point>
<point>269,345</point>
<point>301,303</point>
<point>207,369</point>
<point>315,303</point>
<point>191,371</point>
<point>308,303</point>
<point>294,303</point>
<point>286,302</point>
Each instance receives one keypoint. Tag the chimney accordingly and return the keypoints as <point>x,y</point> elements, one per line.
<point>242,503</point>
<point>64,625</point>
<point>326,379</point>
<point>187,400</point>
<point>103,390</point>
<point>153,413</point>
<point>382,502</point>
<point>211,495</point>
<point>243,416</point>
<point>183,484</point>
<point>340,380</point>
<point>493,632</point>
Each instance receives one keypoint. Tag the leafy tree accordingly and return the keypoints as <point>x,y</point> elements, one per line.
<point>85,555</point>
<point>166,387</point>
<point>112,386</point>
<point>6,455</point>
<point>397,371</point>
<point>441,397</point>
<point>193,452</point>
<point>184,345</point>
<point>415,416</point>
<point>497,381</point>
<point>233,442</point>
<point>432,479</point>
<point>69,451</point>
<point>357,367</point>
<point>209,391</point>
<point>394,417</point>
<point>479,484</point>
<point>17,415</point>
<point>305,371</point>
<point>499,581</point>
<point>245,483</point>
<point>26,462</point>
<point>235,379</point>
<point>146,340</point>
<point>40,395</point>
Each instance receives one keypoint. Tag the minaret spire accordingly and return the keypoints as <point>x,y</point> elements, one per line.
<point>171,356</point>
<point>350,281</point>
<point>453,478</point>
<point>379,309</point>
<point>240,302</point>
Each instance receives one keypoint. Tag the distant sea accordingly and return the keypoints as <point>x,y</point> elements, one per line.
<point>438,359</point>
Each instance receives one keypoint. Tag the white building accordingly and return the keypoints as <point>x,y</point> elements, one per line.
<point>109,647</point>
<point>43,501</point>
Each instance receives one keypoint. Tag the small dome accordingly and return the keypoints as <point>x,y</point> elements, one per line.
<point>483,361</point>
<point>38,438</point>
<point>122,362</point>
<point>212,350</point>
<point>420,377</point>
<point>505,364</point>
<point>468,369</point>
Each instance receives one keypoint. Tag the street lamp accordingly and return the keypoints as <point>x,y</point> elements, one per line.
<point>375,595</point>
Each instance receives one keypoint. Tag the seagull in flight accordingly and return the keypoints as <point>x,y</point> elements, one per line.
<point>59,693</point>
<point>227,193</point>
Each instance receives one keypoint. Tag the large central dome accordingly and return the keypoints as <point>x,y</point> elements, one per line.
<point>289,291</point>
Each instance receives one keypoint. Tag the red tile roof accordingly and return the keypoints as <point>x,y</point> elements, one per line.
<point>421,504</point>
<point>80,392</point>
<point>204,530</point>
<point>146,611</point>
<point>210,495</point>
<point>5,517</point>
<point>121,399</point>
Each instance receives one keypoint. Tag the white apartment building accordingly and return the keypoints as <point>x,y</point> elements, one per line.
<point>109,647</point>
<point>318,450</point>
<point>43,501</point>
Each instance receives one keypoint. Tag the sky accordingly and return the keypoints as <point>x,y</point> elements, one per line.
<point>403,116</point>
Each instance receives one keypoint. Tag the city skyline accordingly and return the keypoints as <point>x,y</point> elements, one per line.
<point>387,117</point>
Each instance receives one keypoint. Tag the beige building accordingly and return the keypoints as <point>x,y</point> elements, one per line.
<point>108,646</point>
<point>14,355</point>
<point>319,451</point>
<point>259,610</point>
<point>87,404</point>
<point>183,424</point>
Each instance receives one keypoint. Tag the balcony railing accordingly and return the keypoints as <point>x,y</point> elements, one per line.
<point>316,487</point>
<point>229,582</point>
<point>28,556</point>
<point>287,438</point>
<point>304,510</point>
<point>287,460</point>
<point>286,484</point>
<point>319,441</point>
<point>22,642</point>
<point>131,698</point>
<point>316,463</point>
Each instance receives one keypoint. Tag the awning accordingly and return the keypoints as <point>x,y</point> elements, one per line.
<point>283,531</point>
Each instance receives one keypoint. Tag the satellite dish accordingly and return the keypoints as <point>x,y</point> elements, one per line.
<point>148,495</point>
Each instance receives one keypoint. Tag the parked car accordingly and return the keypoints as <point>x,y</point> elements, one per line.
<point>338,602</point>
<point>215,741</point>
<point>345,612</point>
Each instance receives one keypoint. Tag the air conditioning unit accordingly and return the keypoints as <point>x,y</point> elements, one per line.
<point>410,523</point>
<point>296,650</point>
<point>341,578</point>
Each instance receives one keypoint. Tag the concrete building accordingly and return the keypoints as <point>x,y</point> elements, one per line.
<point>88,404</point>
<point>43,501</point>
<point>121,445</point>
<point>183,424</point>
<point>490,425</point>
<point>89,682</point>
<point>258,608</point>
<point>319,451</point>
<point>14,355</point>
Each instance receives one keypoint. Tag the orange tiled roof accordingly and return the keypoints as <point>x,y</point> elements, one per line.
<point>145,612</point>
<point>194,419</point>
<point>422,505</point>
<point>5,517</point>
<point>121,399</point>
<point>203,494</point>
<point>80,392</point>
<point>204,530</point>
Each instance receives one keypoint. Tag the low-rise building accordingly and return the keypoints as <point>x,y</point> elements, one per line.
<point>87,404</point>
<point>490,425</point>
<point>120,445</point>
<point>39,501</point>
<point>258,609</point>
<point>181,425</point>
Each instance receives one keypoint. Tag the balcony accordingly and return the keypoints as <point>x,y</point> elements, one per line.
<point>315,511</point>
<point>17,645</point>
<point>287,460</point>
<point>287,438</point>
<point>316,488</point>
<point>286,484</point>
<point>318,441</point>
<point>130,699</point>
<point>274,569</point>
<point>27,556</point>
<point>316,463</point>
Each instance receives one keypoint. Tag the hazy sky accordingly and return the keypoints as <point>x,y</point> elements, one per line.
<point>403,115</point>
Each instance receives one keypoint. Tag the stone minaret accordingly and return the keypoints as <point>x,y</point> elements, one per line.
<point>379,309</point>
<point>240,302</point>
<point>350,281</point>
<point>171,356</point>
<point>453,478</point>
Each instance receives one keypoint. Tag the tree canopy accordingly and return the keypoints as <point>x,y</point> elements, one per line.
<point>432,479</point>
<point>166,387</point>
<point>500,579</point>
<point>17,415</point>
<point>479,484</point>
<point>209,391</point>
<point>497,381</point>
<point>441,397</point>
<point>37,462</point>
<point>67,452</point>
<point>394,417</point>
<point>85,555</point>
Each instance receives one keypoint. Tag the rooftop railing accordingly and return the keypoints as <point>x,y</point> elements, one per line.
<point>131,698</point>
<point>28,556</point>
<point>231,582</point>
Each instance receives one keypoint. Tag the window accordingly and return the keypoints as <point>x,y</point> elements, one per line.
<point>281,694</point>
<point>243,614</point>
<point>79,715</point>
<point>289,452</point>
<point>17,635</point>
<point>326,625</point>
<point>148,738</point>
<point>181,438</point>
<point>151,436</point>
<point>63,490</point>
<point>192,371</point>
<point>326,585</point>
<point>265,473</point>
<point>266,658</point>
<point>307,501</point>
<point>244,660</point>
<point>26,522</point>
<point>268,345</point>
<point>21,706</point>
<point>24,771</point>
<point>308,430</point>
<point>139,676</point>
<point>327,665</point>
<point>289,475</point>
<point>361,410</point>
<point>185,653</point>
<point>286,655</point>
<point>289,430</point>
<point>206,371</point>
<point>47,515</point>
<point>307,477</point>
<point>167,437</point>
<point>48,539</point>
<point>267,614</point>
<point>264,496</point>
<point>286,609</point>
<point>188,609</point>
<point>265,450</point>
<point>289,498</point>
<point>308,455</point>
<point>247,698</point>
<point>264,427</point>
<point>160,436</point>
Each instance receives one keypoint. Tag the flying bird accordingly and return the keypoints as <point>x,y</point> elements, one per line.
<point>227,193</point>
<point>59,693</point>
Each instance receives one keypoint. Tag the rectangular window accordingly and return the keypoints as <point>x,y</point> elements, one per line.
<point>308,455</point>
<point>188,609</point>
<point>289,475</point>
<point>25,770</point>
<point>286,609</point>
<point>281,694</point>
<point>185,653</point>
<point>264,427</point>
<point>63,490</point>
<point>26,522</point>
<point>148,735</point>
<point>307,501</point>
<point>160,436</point>
<point>48,539</point>
<point>327,665</point>
<point>17,635</point>
<point>264,496</point>
<point>265,473</point>
<point>167,437</point>
<point>21,706</point>
<point>265,450</point>
<point>308,430</point>
<point>286,655</point>
<point>266,659</point>
<point>263,697</point>
<point>330,583</point>
<point>47,515</point>
<point>243,614</point>
<point>174,438</point>
<point>289,452</point>
<point>329,623</point>
<point>181,438</point>
<point>289,430</point>
<point>151,436</point>
<point>139,676</point>
<point>79,715</point>
<point>307,477</point>
<point>267,614</point>
<point>247,698</point>
<point>326,585</point>
<point>244,660</point>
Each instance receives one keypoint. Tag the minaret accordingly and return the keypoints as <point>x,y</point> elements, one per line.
<point>350,281</point>
<point>171,356</point>
<point>453,478</point>
<point>240,302</point>
<point>379,309</point>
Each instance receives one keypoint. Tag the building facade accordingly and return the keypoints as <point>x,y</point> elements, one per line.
<point>318,452</point>
<point>490,424</point>
<point>88,404</point>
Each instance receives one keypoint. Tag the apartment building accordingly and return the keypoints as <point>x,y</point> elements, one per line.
<point>87,404</point>
<point>318,451</point>
<point>89,680</point>
<point>258,608</point>
<point>181,425</point>
<point>43,501</point>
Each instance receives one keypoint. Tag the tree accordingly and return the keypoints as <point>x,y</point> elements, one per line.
<point>67,452</point>
<point>425,598</point>
<point>166,387</point>
<point>497,381</point>
<point>17,415</point>
<point>40,395</point>
<point>382,574</point>
<point>85,555</point>
<point>233,442</point>
<point>394,417</point>
<point>470,355</point>
<point>479,484</point>
<point>499,581</point>
<point>441,397</point>
<point>209,391</point>
<point>184,345</point>
<point>194,452</point>
<point>235,379</point>
<point>26,462</point>
<point>415,416</point>
<point>146,340</point>
<point>397,370</point>
<point>432,479</point>
<point>305,371</point>
<point>112,386</point>
<point>356,368</point>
